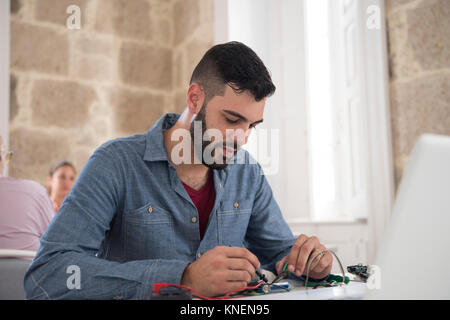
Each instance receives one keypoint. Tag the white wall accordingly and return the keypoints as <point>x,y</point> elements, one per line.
<point>4,71</point>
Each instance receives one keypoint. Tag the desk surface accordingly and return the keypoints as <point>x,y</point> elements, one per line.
<point>354,290</point>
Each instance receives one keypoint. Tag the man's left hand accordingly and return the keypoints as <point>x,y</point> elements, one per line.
<point>304,249</point>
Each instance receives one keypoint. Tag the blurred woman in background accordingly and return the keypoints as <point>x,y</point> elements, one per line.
<point>60,181</point>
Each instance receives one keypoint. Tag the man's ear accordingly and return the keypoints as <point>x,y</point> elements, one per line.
<point>195,98</point>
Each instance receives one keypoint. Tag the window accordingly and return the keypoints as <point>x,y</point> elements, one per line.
<point>335,95</point>
<point>320,107</point>
<point>330,111</point>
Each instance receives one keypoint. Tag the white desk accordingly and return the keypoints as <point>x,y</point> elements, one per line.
<point>353,290</point>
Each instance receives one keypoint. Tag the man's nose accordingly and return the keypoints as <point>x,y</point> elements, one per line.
<point>239,138</point>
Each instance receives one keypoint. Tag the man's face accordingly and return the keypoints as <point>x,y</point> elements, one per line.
<point>227,121</point>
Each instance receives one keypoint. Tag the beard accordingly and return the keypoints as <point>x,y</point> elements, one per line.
<point>200,145</point>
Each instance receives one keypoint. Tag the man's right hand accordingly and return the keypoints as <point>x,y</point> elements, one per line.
<point>221,270</point>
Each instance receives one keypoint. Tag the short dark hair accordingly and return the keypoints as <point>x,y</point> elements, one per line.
<point>236,65</point>
<point>61,164</point>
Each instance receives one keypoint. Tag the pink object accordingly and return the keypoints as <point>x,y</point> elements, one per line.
<point>25,213</point>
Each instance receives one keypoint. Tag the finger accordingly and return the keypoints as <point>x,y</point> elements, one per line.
<point>293,255</point>
<point>280,264</point>
<point>240,264</point>
<point>243,253</point>
<point>304,254</point>
<point>325,262</point>
<point>315,259</point>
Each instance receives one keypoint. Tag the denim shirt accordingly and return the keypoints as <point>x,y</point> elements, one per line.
<point>128,222</point>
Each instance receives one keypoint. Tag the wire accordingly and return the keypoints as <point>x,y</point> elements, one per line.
<point>260,283</point>
<point>224,297</point>
<point>320,254</point>
<point>273,284</point>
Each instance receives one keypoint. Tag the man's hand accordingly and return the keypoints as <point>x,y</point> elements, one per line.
<point>303,250</point>
<point>221,270</point>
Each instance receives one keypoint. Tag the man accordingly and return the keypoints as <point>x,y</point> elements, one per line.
<point>148,209</point>
<point>25,210</point>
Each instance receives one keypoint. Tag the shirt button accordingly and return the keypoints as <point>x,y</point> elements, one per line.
<point>194,219</point>
<point>236,204</point>
<point>199,255</point>
<point>150,209</point>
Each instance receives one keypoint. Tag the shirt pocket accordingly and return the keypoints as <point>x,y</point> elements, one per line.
<point>233,216</point>
<point>149,233</point>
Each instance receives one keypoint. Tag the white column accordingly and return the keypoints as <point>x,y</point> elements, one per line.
<point>4,72</point>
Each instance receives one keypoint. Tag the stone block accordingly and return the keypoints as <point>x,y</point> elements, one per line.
<point>186,18</point>
<point>61,103</point>
<point>161,9</point>
<point>37,48</point>
<point>180,101</point>
<point>179,75</point>
<point>162,32</point>
<point>146,66</point>
<point>135,111</point>
<point>81,156</point>
<point>394,4</point>
<point>402,62</point>
<point>56,11</point>
<point>417,107</point>
<point>124,18</point>
<point>94,68</point>
<point>35,150</point>
<point>429,34</point>
<point>88,44</point>
<point>195,50</point>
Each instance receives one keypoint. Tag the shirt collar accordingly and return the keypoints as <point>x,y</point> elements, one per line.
<point>155,150</point>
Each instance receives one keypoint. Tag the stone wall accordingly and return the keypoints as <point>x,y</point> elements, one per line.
<point>130,62</point>
<point>72,90</point>
<point>419,54</point>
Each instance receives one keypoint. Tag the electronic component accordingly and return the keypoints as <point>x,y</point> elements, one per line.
<point>359,270</point>
<point>266,288</point>
<point>272,288</point>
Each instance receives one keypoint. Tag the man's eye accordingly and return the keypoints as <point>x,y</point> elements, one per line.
<point>232,121</point>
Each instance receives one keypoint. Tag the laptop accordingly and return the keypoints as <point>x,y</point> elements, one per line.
<point>413,259</point>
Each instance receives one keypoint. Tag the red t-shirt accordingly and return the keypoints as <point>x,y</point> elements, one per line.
<point>204,201</point>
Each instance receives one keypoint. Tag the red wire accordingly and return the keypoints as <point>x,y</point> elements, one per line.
<point>226,296</point>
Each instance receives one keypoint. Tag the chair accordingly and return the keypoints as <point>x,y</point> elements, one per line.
<point>12,271</point>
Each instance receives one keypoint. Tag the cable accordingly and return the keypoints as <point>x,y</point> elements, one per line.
<point>158,286</point>
<point>320,254</point>
<point>273,284</point>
